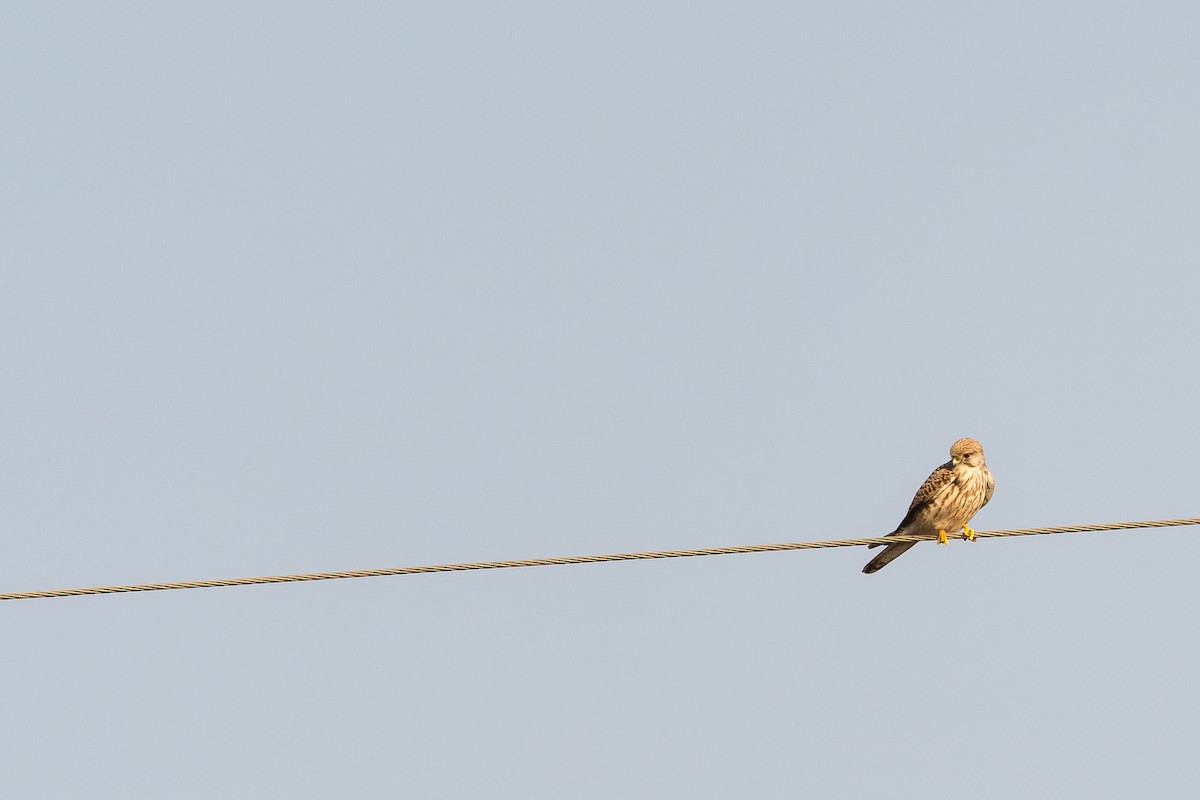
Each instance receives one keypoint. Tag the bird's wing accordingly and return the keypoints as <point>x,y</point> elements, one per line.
<point>934,485</point>
<point>991,487</point>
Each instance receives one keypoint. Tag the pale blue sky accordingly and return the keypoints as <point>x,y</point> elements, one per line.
<point>296,287</point>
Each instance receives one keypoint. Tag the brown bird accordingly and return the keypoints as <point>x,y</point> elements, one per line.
<point>945,503</point>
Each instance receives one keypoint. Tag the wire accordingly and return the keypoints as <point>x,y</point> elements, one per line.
<point>546,562</point>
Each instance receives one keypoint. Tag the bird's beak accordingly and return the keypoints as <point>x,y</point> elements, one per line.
<point>954,461</point>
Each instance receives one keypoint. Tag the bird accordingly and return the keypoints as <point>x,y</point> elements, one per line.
<point>945,503</point>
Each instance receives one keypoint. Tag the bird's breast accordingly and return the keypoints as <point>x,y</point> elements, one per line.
<point>961,500</point>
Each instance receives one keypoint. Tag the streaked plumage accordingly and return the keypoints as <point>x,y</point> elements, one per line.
<point>946,502</point>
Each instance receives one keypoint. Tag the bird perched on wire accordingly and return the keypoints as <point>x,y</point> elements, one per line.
<point>945,503</point>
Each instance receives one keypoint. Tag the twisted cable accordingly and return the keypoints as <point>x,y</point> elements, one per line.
<point>547,562</point>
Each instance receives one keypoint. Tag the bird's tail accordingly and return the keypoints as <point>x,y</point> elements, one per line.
<point>889,554</point>
<point>880,544</point>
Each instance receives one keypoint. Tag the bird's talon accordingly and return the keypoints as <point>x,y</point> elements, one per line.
<point>968,533</point>
<point>942,538</point>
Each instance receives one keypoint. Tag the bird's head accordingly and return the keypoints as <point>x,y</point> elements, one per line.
<point>967,451</point>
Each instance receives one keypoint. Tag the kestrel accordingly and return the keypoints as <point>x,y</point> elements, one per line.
<point>945,502</point>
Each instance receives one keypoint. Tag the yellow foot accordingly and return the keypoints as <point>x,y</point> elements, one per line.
<point>968,533</point>
<point>942,538</point>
